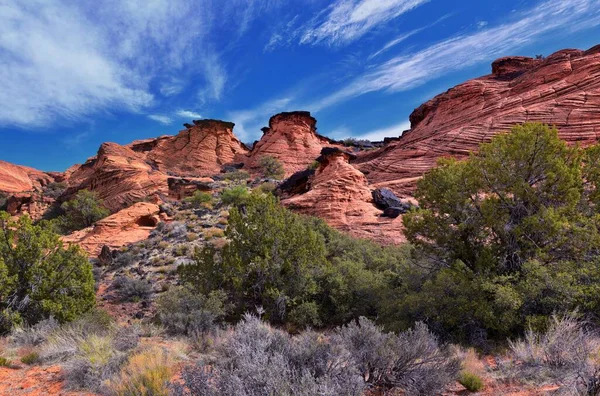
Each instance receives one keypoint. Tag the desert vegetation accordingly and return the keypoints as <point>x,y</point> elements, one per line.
<point>238,295</point>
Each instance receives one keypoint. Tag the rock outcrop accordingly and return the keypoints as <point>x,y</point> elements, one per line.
<point>122,175</point>
<point>127,226</point>
<point>119,175</point>
<point>562,90</point>
<point>18,179</point>
<point>292,138</point>
<point>340,195</point>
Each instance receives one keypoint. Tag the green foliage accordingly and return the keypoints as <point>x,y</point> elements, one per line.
<point>235,196</point>
<point>82,211</point>
<point>237,176</point>
<point>200,198</point>
<point>298,269</point>
<point>31,358</point>
<point>471,381</point>
<point>39,277</point>
<point>4,362</point>
<point>511,235</point>
<point>182,311</point>
<point>271,167</point>
<point>515,200</point>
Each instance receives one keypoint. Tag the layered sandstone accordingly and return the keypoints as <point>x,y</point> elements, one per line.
<point>122,175</point>
<point>340,195</point>
<point>562,90</point>
<point>119,175</point>
<point>199,150</point>
<point>18,179</point>
<point>292,138</point>
<point>127,226</point>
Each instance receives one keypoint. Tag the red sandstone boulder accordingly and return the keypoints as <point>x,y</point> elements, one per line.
<point>127,226</point>
<point>340,195</point>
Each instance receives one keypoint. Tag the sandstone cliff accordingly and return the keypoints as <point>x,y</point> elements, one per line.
<point>562,90</point>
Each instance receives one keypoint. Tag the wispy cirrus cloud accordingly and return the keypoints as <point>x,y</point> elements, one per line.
<point>67,60</point>
<point>405,36</point>
<point>347,20</point>
<point>405,72</point>
<point>381,133</point>
<point>163,119</point>
<point>188,114</point>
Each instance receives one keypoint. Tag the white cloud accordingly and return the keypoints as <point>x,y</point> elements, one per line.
<point>161,118</point>
<point>67,60</point>
<point>482,24</point>
<point>379,134</point>
<point>54,63</point>
<point>405,72</point>
<point>188,114</point>
<point>347,20</point>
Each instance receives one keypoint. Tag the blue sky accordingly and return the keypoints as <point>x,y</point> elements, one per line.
<point>74,74</point>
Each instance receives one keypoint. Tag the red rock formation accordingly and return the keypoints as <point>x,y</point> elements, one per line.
<point>340,195</point>
<point>561,90</point>
<point>122,175</point>
<point>293,139</point>
<point>122,228</point>
<point>200,150</point>
<point>119,175</point>
<point>18,179</point>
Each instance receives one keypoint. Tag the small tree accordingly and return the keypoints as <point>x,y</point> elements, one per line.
<point>83,211</point>
<point>39,277</point>
<point>271,167</point>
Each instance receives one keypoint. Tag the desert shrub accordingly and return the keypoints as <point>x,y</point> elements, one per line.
<point>200,199</point>
<point>237,195</point>
<point>213,232</point>
<point>412,360</point>
<point>259,360</point>
<point>131,289</point>
<point>54,189</point>
<point>267,187</point>
<point>5,362</point>
<point>191,236</point>
<point>39,277</point>
<point>33,335</point>
<point>272,260</point>
<point>146,373</point>
<point>3,200</point>
<point>181,249</point>
<point>182,311</point>
<point>472,382</point>
<point>271,167</point>
<point>299,269</point>
<point>514,228</point>
<point>82,211</point>
<point>566,353</point>
<point>30,358</point>
<point>238,175</point>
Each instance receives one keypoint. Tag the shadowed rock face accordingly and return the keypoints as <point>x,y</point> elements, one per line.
<point>292,138</point>
<point>561,90</point>
<point>340,195</point>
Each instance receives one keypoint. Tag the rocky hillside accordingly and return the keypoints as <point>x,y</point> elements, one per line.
<point>343,187</point>
<point>562,90</point>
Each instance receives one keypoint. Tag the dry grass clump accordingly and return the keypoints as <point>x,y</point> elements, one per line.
<point>213,232</point>
<point>146,373</point>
